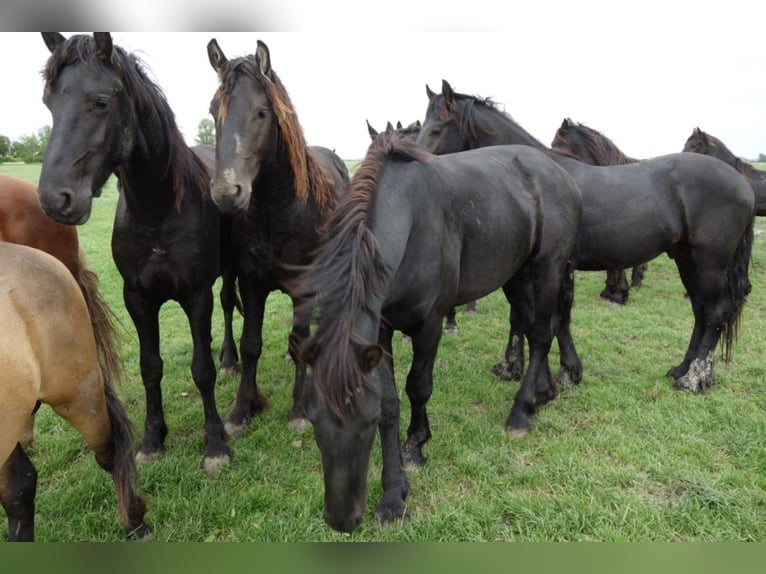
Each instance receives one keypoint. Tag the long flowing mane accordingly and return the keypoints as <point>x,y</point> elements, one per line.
<point>702,142</point>
<point>603,150</point>
<point>309,178</point>
<point>185,168</point>
<point>347,274</point>
<point>466,108</point>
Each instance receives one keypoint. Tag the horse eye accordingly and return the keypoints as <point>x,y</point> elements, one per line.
<point>261,114</point>
<point>102,103</point>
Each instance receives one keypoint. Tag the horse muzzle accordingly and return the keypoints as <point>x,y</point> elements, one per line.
<point>64,206</point>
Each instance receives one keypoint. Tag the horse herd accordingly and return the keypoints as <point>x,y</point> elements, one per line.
<point>437,215</point>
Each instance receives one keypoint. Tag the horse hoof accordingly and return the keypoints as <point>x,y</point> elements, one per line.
<point>143,458</point>
<point>518,433</point>
<point>234,430</point>
<point>212,465</point>
<point>504,371</point>
<point>232,370</point>
<point>451,331</point>
<point>412,457</point>
<point>298,425</point>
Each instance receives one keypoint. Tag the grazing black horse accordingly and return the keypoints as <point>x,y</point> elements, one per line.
<point>695,208</point>
<point>704,143</point>
<point>416,235</point>
<point>281,190</point>
<point>594,148</point>
<point>109,117</point>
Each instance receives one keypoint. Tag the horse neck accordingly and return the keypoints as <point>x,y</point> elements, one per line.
<point>493,127</point>
<point>147,179</point>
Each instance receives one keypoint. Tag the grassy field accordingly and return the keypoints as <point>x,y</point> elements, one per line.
<point>622,457</point>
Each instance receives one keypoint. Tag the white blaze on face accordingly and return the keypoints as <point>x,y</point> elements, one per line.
<point>238,141</point>
<point>229,177</point>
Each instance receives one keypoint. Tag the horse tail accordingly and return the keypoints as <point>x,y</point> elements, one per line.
<point>131,507</point>
<point>103,321</point>
<point>739,288</point>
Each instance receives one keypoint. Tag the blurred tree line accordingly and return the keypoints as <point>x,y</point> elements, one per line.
<point>28,148</point>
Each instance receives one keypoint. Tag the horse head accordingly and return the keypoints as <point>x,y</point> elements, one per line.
<point>247,124</point>
<point>93,120</point>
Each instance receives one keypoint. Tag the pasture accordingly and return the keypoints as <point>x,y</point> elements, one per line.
<point>622,457</point>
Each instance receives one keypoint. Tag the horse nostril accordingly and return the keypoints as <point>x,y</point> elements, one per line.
<point>237,190</point>
<point>67,198</point>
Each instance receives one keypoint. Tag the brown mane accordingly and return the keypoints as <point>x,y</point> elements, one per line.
<point>148,99</point>
<point>309,178</point>
<point>602,150</point>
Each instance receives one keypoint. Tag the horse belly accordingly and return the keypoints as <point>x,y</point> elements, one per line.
<point>636,233</point>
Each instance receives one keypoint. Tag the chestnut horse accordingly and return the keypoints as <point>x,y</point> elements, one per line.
<point>49,355</point>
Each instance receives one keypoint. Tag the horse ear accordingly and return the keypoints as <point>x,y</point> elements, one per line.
<point>371,130</point>
<point>215,55</point>
<point>103,46</point>
<point>431,94</point>
<point>565,124</point>
<point>369,357</point>
<point>447,92</point>
<point>263,58</point>
<point>53,39</point>
<point>389,128</point>
<point>399,125</point>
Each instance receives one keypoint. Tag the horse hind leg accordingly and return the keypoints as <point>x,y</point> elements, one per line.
<point>97,414</point>
<point>519,295</point>
<point>18,486</point>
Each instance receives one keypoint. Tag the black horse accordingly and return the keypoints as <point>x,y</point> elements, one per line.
<point>416,235</point>
<point>594,148</point>
<point>282,190</point>
<point>167,240</point>
<point>695,208</point>
<point>704,143</point>
<point>411,132</point>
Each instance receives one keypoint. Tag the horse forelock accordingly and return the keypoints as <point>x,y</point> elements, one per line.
<point>310,180</point>
<point>146,96</point>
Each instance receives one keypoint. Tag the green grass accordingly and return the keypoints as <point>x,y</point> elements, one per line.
<point>622,457</point>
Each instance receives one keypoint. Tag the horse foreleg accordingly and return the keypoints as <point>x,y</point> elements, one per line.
<point>519,295</point>
<point>420,384</point>
<point>296,417</point>
<point>537,386</point>
<point>570,371</point>
<point>18,486</point>
<point>199,311</point>
<point>396,487</point>
<point>229,357</point>
<point>249,402</point>
<point>145,316</point>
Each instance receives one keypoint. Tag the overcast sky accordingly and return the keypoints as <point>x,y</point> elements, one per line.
<point>644,73</point>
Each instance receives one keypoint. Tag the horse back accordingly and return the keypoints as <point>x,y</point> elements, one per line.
<point>465,223</point>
